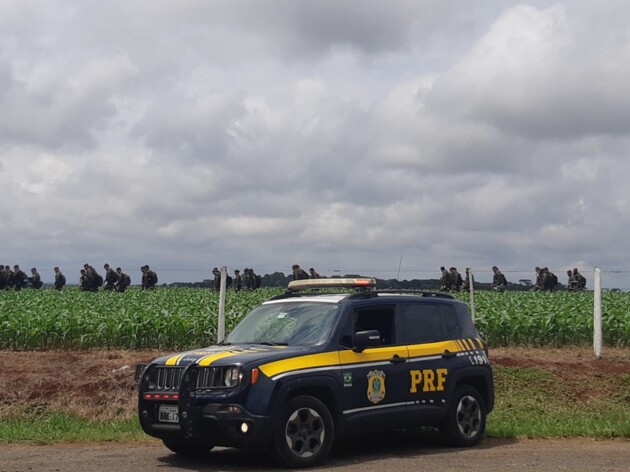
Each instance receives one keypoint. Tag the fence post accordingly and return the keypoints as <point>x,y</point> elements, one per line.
<point>597,313</point>
<point>471,289</point>
<point>221,320</point>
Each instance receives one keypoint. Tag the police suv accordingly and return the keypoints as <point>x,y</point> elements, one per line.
<point>309,366</point>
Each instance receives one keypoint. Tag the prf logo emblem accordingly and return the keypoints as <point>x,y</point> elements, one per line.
<point>376,385</point>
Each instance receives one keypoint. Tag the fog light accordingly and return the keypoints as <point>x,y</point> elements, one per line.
<point>244,428</point>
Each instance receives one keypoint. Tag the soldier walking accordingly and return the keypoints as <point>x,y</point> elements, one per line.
<point>123,280</point>
<point>298,272</point>
<point>149,278</point>
<point>36,280</point>
<point>111,278</point>
<point>19,278</point>
<point>237,280</point>
<point>446,280</point>
<point>456,279</point>
<point>60,279</point>
<point>499,282</point>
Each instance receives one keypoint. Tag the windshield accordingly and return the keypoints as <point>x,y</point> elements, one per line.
<point>295,322</point>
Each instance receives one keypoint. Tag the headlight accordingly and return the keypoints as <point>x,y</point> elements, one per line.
<point>232,377</point>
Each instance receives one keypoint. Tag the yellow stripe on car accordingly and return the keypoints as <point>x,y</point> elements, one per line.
<point>207,360</point>
<point>297,363</point>
<point>431,349</point>
<point>173,360</point>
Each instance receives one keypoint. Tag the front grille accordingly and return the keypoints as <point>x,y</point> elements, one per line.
<point>169,378</point>
<point>166,378</point>
<point>211,377</point>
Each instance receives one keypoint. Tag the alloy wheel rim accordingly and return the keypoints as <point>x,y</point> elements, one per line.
<point>469,416</point>
<point>305,432</point>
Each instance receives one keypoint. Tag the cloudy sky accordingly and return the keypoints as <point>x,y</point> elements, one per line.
<point>381,138</point>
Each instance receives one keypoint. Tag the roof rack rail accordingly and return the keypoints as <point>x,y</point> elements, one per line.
<point>424,293</point>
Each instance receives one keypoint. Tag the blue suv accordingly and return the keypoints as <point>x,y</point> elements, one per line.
<point>310,366</point>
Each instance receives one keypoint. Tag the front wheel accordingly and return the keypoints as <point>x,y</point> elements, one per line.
<point>304,433</point>
<point>466,420</point>
<point>187,448</point>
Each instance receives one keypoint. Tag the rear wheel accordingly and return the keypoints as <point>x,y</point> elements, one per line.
<point>188,448</point>
<point>466,420</point>
<point>304,434</point>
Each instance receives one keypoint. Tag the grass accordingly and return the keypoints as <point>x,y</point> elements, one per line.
<point>62,427</point>
<point>530,402</point>
<point>535,403</point>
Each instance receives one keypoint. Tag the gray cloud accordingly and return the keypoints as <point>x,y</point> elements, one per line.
<point>198,134</point>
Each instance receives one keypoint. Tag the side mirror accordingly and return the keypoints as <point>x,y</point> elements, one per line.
<point>363,339</point>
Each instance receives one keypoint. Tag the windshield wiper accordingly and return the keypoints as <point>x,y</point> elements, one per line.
<point>269,343</point>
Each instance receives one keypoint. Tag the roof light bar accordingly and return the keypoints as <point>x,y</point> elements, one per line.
<point>307,284</point>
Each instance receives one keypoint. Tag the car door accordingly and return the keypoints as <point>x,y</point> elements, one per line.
<point>428,329</point>
<point>375,380</point>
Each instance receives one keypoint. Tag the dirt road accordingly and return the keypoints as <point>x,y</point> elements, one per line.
<point>398,453</point>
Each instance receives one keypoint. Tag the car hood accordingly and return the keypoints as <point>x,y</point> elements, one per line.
<point>233,355</point>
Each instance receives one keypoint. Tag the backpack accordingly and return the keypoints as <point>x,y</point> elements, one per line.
<point>126,280</point>
<point>98,278</point>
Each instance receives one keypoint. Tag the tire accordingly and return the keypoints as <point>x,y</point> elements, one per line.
<point>188,449</point>
<point>465,424</point>
<point>304,433</point>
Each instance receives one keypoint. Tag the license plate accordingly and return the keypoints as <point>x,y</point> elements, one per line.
<point>168,414</point>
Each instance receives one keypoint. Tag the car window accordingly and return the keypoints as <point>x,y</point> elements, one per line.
<point>426,322</point>
<point>303,323</point>
<point>380,318</point>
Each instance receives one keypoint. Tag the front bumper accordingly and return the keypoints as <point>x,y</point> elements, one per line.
<point>217,423</point>
<point>203,417</point>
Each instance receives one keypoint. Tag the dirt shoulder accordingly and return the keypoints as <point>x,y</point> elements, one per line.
<point>99,384</point>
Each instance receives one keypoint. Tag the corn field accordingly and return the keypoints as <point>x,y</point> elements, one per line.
<point>180,318</point>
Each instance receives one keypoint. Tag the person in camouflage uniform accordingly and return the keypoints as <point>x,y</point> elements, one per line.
<point>19,278</point>
<point>60,279</point>
<point>456,279</point>
<point>36,280</point>
<point>111,278</point>
<point>8,277</point>
<point>313,274</point>
<point>446,280</point>
<point>238,281</point>
<point>93,279</point>
<point>548,280</point>
<point>298,273</point>
<point>216,281</point>
<point>499,282</point>
<point>151,278</point>
<point>84,281</point>
<point>123,280</point>
<point>581,280</point>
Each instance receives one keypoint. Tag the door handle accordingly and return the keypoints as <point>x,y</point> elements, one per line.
<point>397,359</point>
<point>448,354</point>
